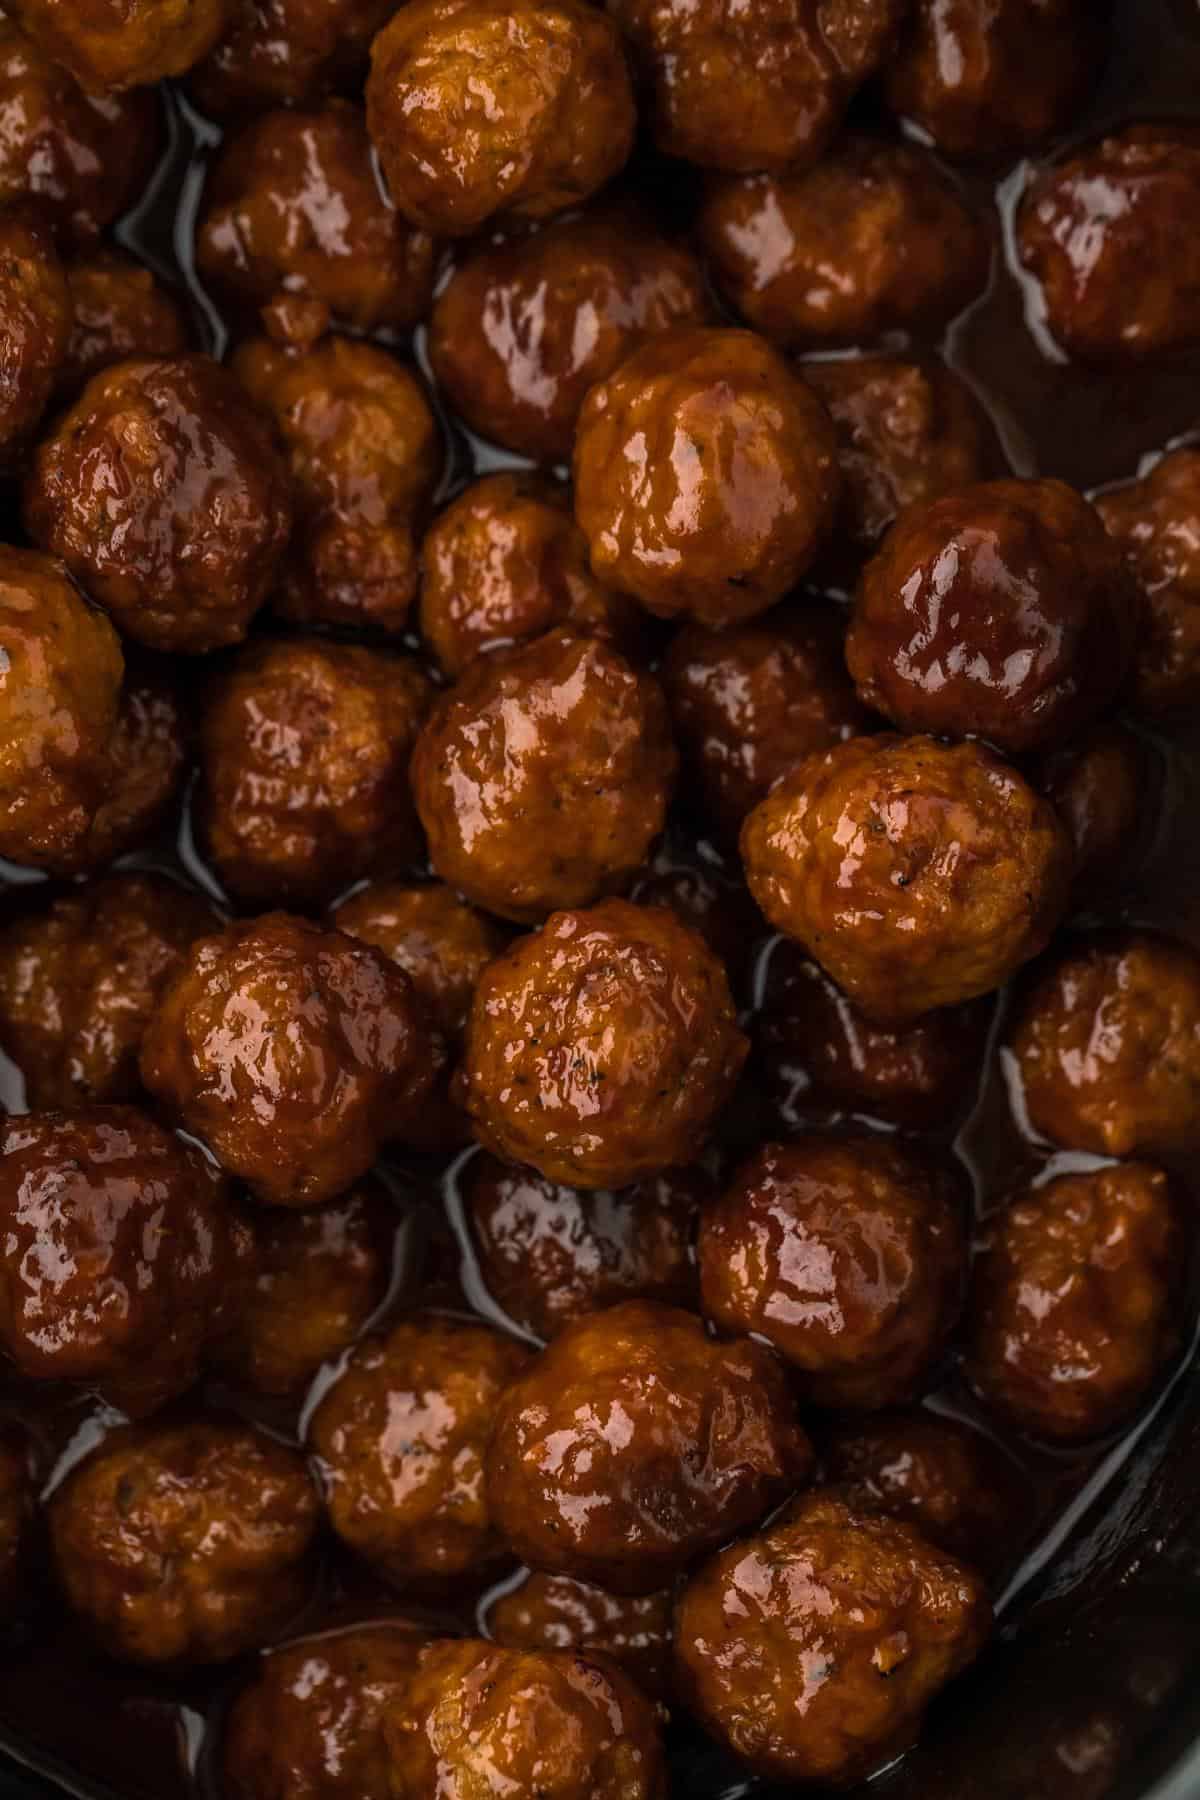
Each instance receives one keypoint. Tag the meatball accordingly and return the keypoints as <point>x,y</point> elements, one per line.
<point>813,1650</point>
<point>304,752</point>
<point>1099,232</point>
<point>115,44</point>
<point>400,1440</point>
<point>120,310</point>
<point>1156,523</point>
<point>148,753</point>
<point>918,874</point>
<point>635,1443</point>
<point>524,328</point>
<point>287,53</point>
<point>547,1254</point>
<point>1103,786</point>
<point>18,1529</point>
<point>366,454</point>
<point>506,562</point>
<point>705,475</point>
<point>542,778</point>
<point>293,1053</point>
<point>79,980</point>
<point>552,1612</point>
<point>442,944</point>
<point>479,107</point>
<point>1106,1044</point>
<point>116,1253</point>
<point>600,1049</point>
<point>749,703</point>
<point>1003,609</point>
<point>875,239</point>
<point>1075,1300</point>
<point>35,329</point>
<point>294,221</point>
<point>708,900</point>
<point>60,690</point>
<point>185,1543</point>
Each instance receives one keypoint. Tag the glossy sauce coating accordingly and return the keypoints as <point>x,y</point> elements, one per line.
<point>120,309</point>
<point>286,53</point>
<point>1156,522</point>
<point>148,754</point>
<point>552,1612</point>
<point>35,328</point>
<point>115,44</point>
<point>1105,789</point>
<point>442,944</point>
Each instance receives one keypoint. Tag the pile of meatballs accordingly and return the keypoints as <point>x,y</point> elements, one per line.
<point>628,722</point>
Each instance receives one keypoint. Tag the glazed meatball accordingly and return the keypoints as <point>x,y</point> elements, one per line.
<point>542,778</point>
<point>1102,786</point>
<point>287,53</point>
<point>120,310</point>
<point>294,221</point>
<point>115,1256</point>
<point>635,1443</point>
<point>115,44</point>
<point>148,754</point>
<point>1003,609</point>
<point>293,1053</point>
<point>918,874</point>
<point>1075,1300</point>
<point>547,1254</point>
<point>601,1048</point>
<point>813,1650</point>
<point>705,475</point>
<point>60,690</point>
<point>1106,1045</point>
<point>366,454</point>
<point>506,562</point>
<point>18,1514</point>
<point>35,329</point>
<point>524,328</point>
<point>304,752</point>
<point>1156,523</point>
<point>479,107</point>
<point>846,1254</point>
<point>707,899</point>
<point>400,1440</point>
<point>1099,232</point>
<point>552,1612</point>
<point>442,944</point>
<point>185,1543</point>
<point>875,239</point>
<point>749,703</point>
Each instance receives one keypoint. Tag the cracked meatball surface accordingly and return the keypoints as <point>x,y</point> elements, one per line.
<point>110,45</point>
<point>1156,523</point>
<point>552,1612</point>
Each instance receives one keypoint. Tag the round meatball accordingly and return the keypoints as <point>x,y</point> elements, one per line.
<point>635,1443</point>
<point>148,754</point>
<point>552,1612</point>
<point>524,328</point>
<point>116,1253</point>
<point>547,1254</point>
<point>400,1440</point>
<point>479,107</point>
<point>304,752</point>
<point>705,475</point>
<point>601,1048</point>
<point>287,53</point>
<point>293,1053</point>
<point>708,900</point>
<point>542,778</point>
<point>1102,786</point>
<point>185,1543</point>
<point>1156,524</point>
<point>1099,232</point>
<point>749,703</point>
<point>506,562</point>
<point>442,944</point>
<point>918,874</point>
<point>35,329</point>
<point>813,1650</point>
<point>115,44</point>
<point>1003,609</point>
<point>120,310</point>
<point>1107,1046</point>
<point>60,690</point>
<point>19,1570</point>
<point>875,239</point>
<point>1075,1298</point>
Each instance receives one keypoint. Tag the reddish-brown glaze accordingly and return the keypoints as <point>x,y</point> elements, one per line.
<point>286,53</point>
<point>552,1612</point>
<point>120,310</point>
<point>1156,522</point>
<point>35,329</point>
<point>442,944</point>
<point>114,44</point>
<point>709,899</point>
<point>148,754</point>
<point>1103,788</point>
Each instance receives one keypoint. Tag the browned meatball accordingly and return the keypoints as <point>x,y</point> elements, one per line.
<point>148,754</point>
<point>1003,609</point>
<point>1156,523</point>
<point>287,53</point>
<point>294,1053</point>
<point>601,1048</point>
<point>115,1256</point>
<point>542,778</point>
<point>1102,786</point>
<point>847,1254</point>
<point>479,107</point>
<point>304,751</point>
<point>705,475</point>
<point>60,686</point>
<point>506,562</point>
<point>114,44</point>
<point>35,329</point>
<point>1099,232</point>
<point>1075,1300</point>
<point>813,1650</point>
<point>552,1612</point>
<point>749,703</point>
<point>1107,1046</point>
<point>548,1254</point>
<point>365,453</point>
<point>875,239</point>
<point>120,310</point>
<point>524,328</point>
<point>400,1440</point>
<point>185,1543</point>
<point>705,897</point>
<point>442,944</point>
<point>918,874</point>
<point>635,1443</point>
<point>18,1512</point>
